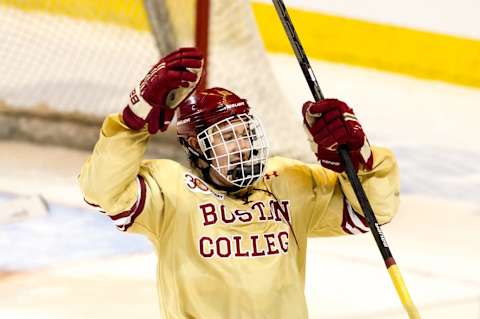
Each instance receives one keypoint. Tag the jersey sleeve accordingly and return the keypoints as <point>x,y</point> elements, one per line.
<point>335,210</point>
<point>117,181</point>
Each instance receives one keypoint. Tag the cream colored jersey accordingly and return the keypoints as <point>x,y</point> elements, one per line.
<point>223,255</point>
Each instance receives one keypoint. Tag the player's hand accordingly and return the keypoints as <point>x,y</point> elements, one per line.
<point>166,85</point>
<point>331,123</point>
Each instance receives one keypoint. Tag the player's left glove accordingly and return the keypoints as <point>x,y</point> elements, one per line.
<point>166,86</point>
<point>330,123</point>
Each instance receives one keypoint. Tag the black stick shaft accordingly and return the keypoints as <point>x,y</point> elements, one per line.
<point>317,94</point>
<point>382,245</point>
<point>298,49</point>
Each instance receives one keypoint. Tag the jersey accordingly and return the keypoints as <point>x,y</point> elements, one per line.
<point>229,255</point>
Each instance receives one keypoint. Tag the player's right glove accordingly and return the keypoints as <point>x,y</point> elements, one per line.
<point>331,123</point>
<point>166,85</point>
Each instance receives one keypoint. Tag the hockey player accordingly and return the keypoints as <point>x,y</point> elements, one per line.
<point>230,232</point>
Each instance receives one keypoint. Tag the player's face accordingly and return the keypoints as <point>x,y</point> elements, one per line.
<point>231,144</point>
<point>235,148</point>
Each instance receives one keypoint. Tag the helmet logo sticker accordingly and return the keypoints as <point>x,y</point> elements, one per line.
<point>218,92</point>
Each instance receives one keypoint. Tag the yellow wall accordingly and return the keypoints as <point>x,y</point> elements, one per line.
<point>129,13</point>
<point>422,54</point>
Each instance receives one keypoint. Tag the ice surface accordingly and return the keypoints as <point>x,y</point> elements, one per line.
<point>67,234</point>
<point>432,127</point>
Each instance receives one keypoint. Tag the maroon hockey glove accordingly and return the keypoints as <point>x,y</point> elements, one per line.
<point>166,85</point>
<point>331,123</point>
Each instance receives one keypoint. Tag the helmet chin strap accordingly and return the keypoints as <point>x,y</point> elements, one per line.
<point>193,154</point>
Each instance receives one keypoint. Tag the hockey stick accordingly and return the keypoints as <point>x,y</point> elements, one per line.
<point>377,233</point>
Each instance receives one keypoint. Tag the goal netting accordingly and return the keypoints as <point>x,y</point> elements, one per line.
<point>79,59</point>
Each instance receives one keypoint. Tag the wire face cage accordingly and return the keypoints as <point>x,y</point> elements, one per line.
<point>237,148</point>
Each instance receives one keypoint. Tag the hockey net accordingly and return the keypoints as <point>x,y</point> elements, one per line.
<point>77,61</point>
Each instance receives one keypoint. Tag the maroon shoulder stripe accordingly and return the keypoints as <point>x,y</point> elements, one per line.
<point>141,203</point>
<point>361,218</point>
<point>124,213</point>
<point>344,221</point>
<point>94,205</point>
<point>353,222</point>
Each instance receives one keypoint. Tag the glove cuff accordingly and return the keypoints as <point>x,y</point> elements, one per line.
<point>136,112</point>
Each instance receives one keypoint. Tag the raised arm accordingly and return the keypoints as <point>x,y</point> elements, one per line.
<point>336,211</point>
<point>114,178</point>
